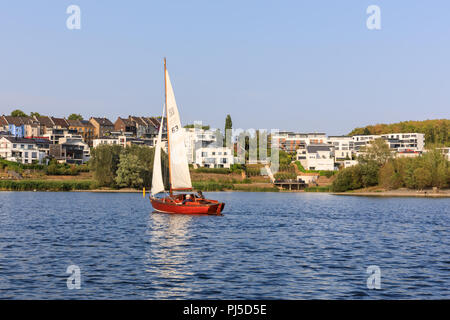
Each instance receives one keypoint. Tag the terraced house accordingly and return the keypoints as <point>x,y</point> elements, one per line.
<point>84,128</point>
<point>20,126</point>
<point>102,126</point>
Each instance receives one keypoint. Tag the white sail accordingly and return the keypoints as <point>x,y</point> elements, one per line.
<point>179,169</point>
<point>157,180</point>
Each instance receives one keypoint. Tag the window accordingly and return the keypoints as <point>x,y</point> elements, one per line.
<point>26,154</point>
<point>34,155</point>
<point>14,145</point>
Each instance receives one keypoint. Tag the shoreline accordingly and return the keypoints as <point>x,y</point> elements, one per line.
<point>397,193</point>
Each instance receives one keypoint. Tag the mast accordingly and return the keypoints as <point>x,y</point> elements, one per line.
<point>167,114</point>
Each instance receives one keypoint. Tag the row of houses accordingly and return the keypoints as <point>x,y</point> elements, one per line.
<point>94,128</point>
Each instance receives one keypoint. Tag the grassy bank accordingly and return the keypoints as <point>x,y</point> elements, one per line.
<point>318,189</point>
<point>45,185</point>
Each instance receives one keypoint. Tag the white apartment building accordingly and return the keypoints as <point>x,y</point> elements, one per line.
<point>319,157</point>
<point>292,141</point>
<point>196,138</point>
<point>20,150</point>
<point>214,157</point>
<point>343,147</point>
<point>401,142</point>
<point>360,141</point>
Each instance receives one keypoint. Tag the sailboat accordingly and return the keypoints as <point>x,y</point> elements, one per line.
<point>180,178</point>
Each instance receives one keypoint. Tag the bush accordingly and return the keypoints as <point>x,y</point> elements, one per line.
<point>213,170</point>
<point>285,176</point>
<point>44,185</point>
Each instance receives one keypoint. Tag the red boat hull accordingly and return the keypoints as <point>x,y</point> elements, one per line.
<point>175,205</point>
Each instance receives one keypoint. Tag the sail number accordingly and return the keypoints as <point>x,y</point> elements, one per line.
<point>174,129</point>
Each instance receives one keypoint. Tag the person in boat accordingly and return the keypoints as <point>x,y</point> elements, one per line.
<point>200,195</point>
<point>188,199</point>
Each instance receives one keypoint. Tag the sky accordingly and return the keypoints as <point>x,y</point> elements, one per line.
<point>305,66</point>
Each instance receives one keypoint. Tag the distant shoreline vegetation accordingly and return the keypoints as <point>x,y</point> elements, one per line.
<point>436,131</point>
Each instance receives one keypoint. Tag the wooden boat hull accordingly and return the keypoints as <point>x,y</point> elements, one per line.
<point>169,205</point>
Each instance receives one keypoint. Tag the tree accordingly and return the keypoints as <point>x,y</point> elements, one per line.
<point>130,171</point>
<point>75,116</point>
<point>104,162</point>
<point>422,178</point>
<point>18,113</point>
<point>228,127</point>
<point>35,114</point>
<point>377,151</point>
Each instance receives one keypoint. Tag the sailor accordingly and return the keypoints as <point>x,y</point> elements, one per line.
<point>200,195</point>
<point>188,199</point>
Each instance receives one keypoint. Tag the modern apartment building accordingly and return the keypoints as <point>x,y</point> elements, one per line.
<point>214,157</point>
<point>344,147</point>
<point>401,142</point>
<point>196,138</point>
<point>21,150</point>
<point>291,141</point>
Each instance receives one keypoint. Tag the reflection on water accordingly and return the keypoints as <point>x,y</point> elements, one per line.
<point>167,253</point>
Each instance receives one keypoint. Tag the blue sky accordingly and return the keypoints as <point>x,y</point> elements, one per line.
<point>289,65</point>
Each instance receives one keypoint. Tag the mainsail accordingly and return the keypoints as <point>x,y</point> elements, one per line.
<point>179,169</point>
<point>157,179</point>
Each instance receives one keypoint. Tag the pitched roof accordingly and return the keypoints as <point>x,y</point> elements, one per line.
<point>17,121</point>
<point>60,122</point>
<point>103,121</point>
<point>138,120</point>
<point>75,123</point>
<point>45,121</point>
<point>127,122</point>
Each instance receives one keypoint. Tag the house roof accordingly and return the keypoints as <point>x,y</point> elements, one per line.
<point>19,140</point>
<point>60,122</point>
<point>75,123</point>
<point>153,121</point>
<point>45,121</point>
<point>17,121</point>
<point>313,148</point>
<point>126,121</point>
<point>103,121</point>
<point>139,121</point>
<point>79,123</point>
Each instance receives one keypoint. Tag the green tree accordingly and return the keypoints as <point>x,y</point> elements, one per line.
<point>75,116</point>
<point>228,126</point>
<point>130,171</point>
<point>377,151</point>
<point>422,178</point>
<point>104,162</point>
<point>18,113</point>
<point>35,114</point>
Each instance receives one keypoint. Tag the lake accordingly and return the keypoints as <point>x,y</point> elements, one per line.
<point>265,246</point>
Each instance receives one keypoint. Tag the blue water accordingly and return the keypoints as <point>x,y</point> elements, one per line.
<point>265,246</point>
